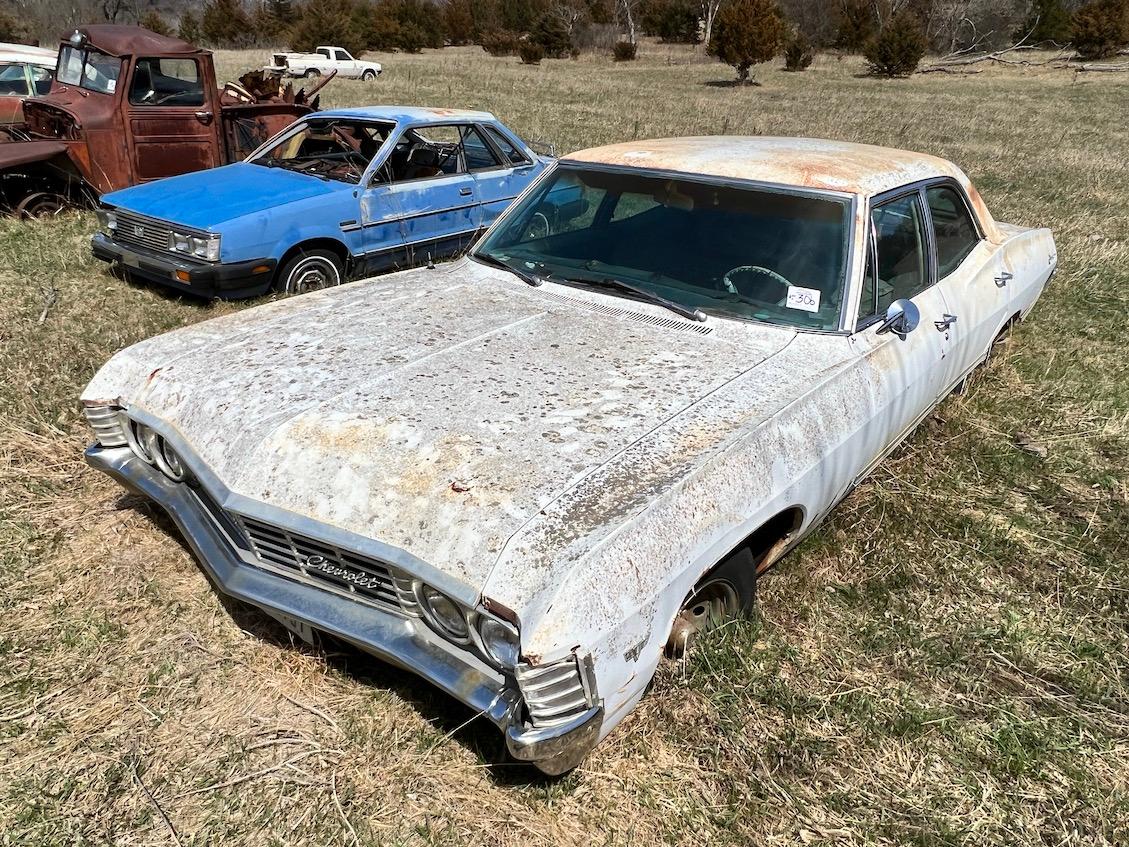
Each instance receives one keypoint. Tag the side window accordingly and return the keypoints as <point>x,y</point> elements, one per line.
<point>953,228</point>
<point>342,56</point>
<point>899,236</point>
<point>13,81</point>
<point>166,82</point>
<point>515,156</point>
<point>629,205</point>
<point>324,51</point>
<point>41,78</point>
<point>479,156</point>
<point>431,151</point>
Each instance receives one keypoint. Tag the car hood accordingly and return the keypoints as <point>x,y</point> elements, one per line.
<point>205,199</point>
<point>436,411</point>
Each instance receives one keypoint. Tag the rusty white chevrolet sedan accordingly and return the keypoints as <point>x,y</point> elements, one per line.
<point>528,474</point>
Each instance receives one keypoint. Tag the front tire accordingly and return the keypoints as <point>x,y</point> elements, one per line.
<point>311,270</point>
<point>369,75</point>
<point>728,591</point>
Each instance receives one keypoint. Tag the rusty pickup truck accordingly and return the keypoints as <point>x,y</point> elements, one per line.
<point>130,106</point>
<point>529,474</point>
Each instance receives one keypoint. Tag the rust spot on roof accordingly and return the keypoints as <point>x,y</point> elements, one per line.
<point>801,162</point>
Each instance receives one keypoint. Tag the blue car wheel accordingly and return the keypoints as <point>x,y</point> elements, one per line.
<point>310,270</point>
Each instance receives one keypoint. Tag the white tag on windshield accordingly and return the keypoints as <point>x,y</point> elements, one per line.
<point>803,298</point>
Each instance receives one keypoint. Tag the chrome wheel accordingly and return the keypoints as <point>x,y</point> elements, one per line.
<point>712,604</point>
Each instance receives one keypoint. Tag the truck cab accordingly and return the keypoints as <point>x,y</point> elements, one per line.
<point>128,106</point>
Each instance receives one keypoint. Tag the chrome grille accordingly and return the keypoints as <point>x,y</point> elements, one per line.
<point>553,693</point>
<point>106,421</point>
<point>329,567</point>
<point>138,231</point>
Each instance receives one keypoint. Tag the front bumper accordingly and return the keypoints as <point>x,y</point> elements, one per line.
<point>401,641</point>
<point>227,281</point>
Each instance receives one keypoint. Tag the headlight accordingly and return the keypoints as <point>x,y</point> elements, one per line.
<point>205,247</point>
<point>499,641</point>
<point>107,221</point>
<point>107,423</point>
<point>169,461</point>
<point>444,614</point>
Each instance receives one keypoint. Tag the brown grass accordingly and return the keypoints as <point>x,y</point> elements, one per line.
<point>945,662</point>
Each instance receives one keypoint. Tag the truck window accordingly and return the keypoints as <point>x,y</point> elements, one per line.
<point>166,82</point>
<point>89,69</point>
<point>324,51</point>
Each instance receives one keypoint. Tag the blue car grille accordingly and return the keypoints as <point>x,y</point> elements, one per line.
<point>137,231</point>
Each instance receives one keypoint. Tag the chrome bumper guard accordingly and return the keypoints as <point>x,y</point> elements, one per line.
<point>396,639</point>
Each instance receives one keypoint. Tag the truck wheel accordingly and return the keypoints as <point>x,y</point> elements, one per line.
<point>369,75</point>
<point>313,73</point>
<point>40,204</point>
<point>726,592</point>
<point>310,270</point>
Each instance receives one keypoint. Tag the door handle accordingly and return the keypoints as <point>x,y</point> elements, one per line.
<point>465,192</point>
<point>945,322</point>
<point>1004,278</point>
<point>204,117</point>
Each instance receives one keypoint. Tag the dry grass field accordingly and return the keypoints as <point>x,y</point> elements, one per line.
<point>945,662</point>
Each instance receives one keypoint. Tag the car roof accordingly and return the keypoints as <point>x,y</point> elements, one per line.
<point>406,114</point>
<point>28,54</point>
<point>798,162</point>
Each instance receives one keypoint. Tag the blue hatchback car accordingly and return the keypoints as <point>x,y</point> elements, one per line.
<point>338,194</point>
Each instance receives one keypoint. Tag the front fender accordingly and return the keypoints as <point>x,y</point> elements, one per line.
<point>272,233</point>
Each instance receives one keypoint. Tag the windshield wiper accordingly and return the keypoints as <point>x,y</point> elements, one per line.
<point>642,293</point>
<point>524,276</point>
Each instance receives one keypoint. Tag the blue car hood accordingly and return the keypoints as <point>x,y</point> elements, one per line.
<point>206,198</point>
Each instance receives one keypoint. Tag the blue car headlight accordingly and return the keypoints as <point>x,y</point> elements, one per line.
<point>206,247</point>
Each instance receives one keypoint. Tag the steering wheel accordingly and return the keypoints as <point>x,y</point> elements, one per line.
<point>726,283</point>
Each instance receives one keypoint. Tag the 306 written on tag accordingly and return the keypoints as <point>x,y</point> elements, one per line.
<point>803,298</point>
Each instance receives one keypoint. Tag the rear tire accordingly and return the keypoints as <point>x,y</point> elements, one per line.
<point>312,73</point>
<point>310,270</point>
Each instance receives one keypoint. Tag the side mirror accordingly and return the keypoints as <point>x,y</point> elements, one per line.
<point>902,318</point>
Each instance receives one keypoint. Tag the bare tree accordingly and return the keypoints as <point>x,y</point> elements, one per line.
<point>629,10</point>
<point>570,13</point>
<point>710,9</point>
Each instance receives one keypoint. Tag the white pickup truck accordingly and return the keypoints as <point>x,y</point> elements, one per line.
<point>322,61</point>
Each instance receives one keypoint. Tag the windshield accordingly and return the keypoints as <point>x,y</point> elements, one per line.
<point>89,69</point>
<point>742,252</point>
<point>333,148</point>
<point>13,80</point>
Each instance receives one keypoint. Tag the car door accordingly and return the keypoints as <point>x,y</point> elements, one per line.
<point>500,169</point>
<point>171,117</point>
<point>971,276</point>
<point>346,64</point>
<point>422,195</point>
<point>901,378</point>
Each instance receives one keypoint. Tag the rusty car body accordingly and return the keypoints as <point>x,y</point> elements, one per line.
<point>24,72</point>
<point>528,474</point>
<point>130,106</point>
